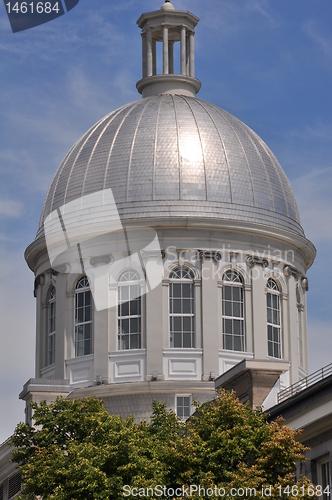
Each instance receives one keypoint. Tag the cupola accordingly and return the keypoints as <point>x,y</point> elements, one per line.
<point>169,27</point>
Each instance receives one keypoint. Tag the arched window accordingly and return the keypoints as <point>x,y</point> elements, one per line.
<point>233,312</point>
<point>182,308</point>
<point>83,318</point>
<point>51,327</point>
<point>273,319</point>
<point>129,310</point>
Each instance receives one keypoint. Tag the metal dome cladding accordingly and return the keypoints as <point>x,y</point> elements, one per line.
<point>175,156</point>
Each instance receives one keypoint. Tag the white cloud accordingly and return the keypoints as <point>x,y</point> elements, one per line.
<point>10,208</point>
<point>315,33</point>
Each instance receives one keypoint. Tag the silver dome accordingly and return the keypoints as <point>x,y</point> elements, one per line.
<point>175,156</point>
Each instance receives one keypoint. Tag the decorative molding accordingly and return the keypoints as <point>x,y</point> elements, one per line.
<point>254,260</point>
<point>101,259</point>
<point>70,293</point>
<point>305,283</point>
<point>201,255</point>
<point>39,280</point>
<point>300,307</point>
<point>146,255</point>
<point>291,271</point>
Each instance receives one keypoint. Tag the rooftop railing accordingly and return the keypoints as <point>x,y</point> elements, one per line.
<point>305,382</point>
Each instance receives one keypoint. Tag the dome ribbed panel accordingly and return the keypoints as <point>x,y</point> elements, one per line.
<point>176,156</point>
<point>58,196</point>
<point>239,173</point>
<point>120,150</point>
<point>95,172</point>
<point>167,172</point>
<point>258,173</point>
<point>79,168</point>
<point>279,201</point>
<point>140,175</point>
<point>217,175</point>
<point>192,169</point>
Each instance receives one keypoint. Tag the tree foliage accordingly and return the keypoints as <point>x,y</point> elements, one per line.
<point>77,451</point>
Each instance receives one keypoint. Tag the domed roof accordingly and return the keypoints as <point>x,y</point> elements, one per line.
<point>177,156</point>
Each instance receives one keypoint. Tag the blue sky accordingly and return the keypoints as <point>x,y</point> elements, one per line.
<point>268,62</point>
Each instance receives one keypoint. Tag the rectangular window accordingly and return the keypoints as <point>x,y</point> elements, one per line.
<point>183,406</point>
<point>323,476</point>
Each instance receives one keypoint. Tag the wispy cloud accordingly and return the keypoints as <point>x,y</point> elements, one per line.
<point>315,32</point>
<point>10,208</point>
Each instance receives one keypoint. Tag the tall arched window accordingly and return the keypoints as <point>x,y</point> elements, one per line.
<point>233,312</point>
<point>182,308</point>
<point>51,327</point>
<point>129,310</point>
<point>83,318</point>
<point>273,319</point>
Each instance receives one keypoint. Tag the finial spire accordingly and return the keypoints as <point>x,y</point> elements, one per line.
<point>168,26</point>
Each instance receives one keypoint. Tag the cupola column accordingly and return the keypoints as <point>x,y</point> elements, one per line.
<point>165,50</point>
<point>192,54</point>
<point>144,56</point>
<point>149,53</point>
<point>183,50</point>
<point>171,57</point>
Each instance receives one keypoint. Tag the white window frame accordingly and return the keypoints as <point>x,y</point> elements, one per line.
<point>324,475</point>
<point>181,275</point>
<point>128,279</point>
<point>82,287</point>
<point>51,327</point>
<point>233,280</point>
<point>190,406</point>
<point>273,311</point>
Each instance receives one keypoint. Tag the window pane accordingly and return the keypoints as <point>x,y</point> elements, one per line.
<point>268,298</point>
<point>125,326</point>
<point>236,327</point>
<point>124,293</point>
<point>125,309</point>
<point>80,299</point>
<point>176,306</point>
<point>177,326</point>
<point>177,339</point>
<point>228,326</point>
<point>270,348</point>
<point>186,303</point>
<point>133,325</point>
<point>236,309</point>
<point>236,293</point>
<point>187,340</point>
<point>228,342</point>
<point>186,290</point>
<point>269,315</point>
<point>87,297</point>
<point>176,289</point>
<point>87,313</point>
<point>238,343</point>
<point>227,292</point>
<point>134,308</point>
<point>228,308</point>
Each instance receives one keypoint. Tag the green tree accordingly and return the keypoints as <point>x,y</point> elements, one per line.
<point>76,450</point>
